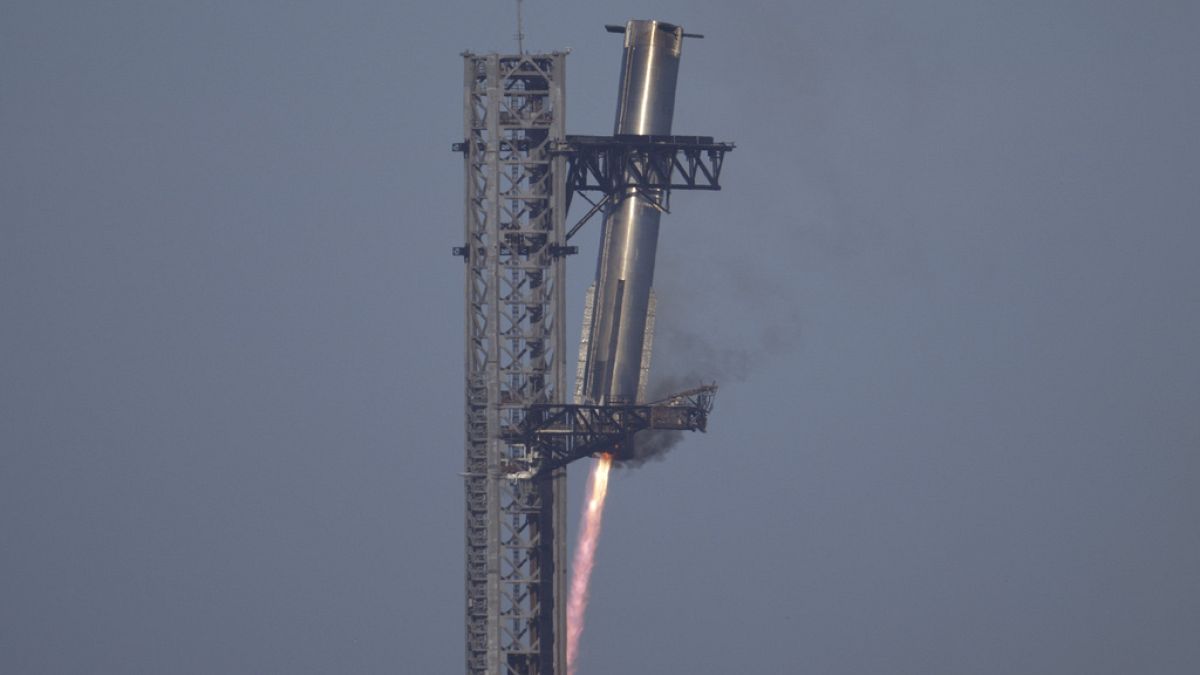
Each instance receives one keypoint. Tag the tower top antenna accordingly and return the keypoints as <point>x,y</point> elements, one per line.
<point>520,31</point>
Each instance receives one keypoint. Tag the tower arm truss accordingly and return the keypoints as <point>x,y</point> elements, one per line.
<point>557,435</point>
<point>648,165</point>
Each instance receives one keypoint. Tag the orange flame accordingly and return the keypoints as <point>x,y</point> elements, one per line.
<point>585,557</point>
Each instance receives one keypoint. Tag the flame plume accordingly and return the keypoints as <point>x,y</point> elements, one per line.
<point>585,556</point>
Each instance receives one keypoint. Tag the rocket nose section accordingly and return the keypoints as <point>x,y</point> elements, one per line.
<point>639,33</point>
<point>647,27</point>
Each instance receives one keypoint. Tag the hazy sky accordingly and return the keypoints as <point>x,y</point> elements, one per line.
<point>951,288</point>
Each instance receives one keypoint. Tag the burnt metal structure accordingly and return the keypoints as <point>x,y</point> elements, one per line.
<point>565,433</point>
<point>521,172</point>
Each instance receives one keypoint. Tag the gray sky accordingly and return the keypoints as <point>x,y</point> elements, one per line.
<point>951,289</point>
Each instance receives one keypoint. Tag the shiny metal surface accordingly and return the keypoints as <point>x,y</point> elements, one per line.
<point>629,238</point>
<point>649,70</point>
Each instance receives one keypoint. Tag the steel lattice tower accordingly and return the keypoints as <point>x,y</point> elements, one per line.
<point>521,172</point>
<point>514,109</point>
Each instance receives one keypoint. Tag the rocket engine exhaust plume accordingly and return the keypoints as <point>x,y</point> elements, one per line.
<point>585,556</point>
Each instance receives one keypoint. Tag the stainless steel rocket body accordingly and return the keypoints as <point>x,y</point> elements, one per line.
<point>629,238</point>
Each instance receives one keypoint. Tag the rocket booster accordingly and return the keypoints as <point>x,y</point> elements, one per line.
<point>615,352</point>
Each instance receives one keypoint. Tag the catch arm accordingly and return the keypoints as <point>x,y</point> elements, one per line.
<point>555,435</point>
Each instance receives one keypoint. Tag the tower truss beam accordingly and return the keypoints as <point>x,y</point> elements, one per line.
<point>560,434</point>
<point>516,555</point>
<point>615,165</point>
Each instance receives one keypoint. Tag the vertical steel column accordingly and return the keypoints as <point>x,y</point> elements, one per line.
<point>514,109</point>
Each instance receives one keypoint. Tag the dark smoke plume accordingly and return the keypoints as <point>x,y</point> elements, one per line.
<point>685,358</point>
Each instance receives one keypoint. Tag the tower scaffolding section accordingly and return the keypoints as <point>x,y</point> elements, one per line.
<point>514,109</point>
<point>521,171</point>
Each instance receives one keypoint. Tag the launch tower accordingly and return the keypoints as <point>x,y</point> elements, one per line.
<point>522,171</point>
<point>515,209</point>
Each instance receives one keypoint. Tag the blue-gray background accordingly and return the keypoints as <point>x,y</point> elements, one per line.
<point>951,288</point>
